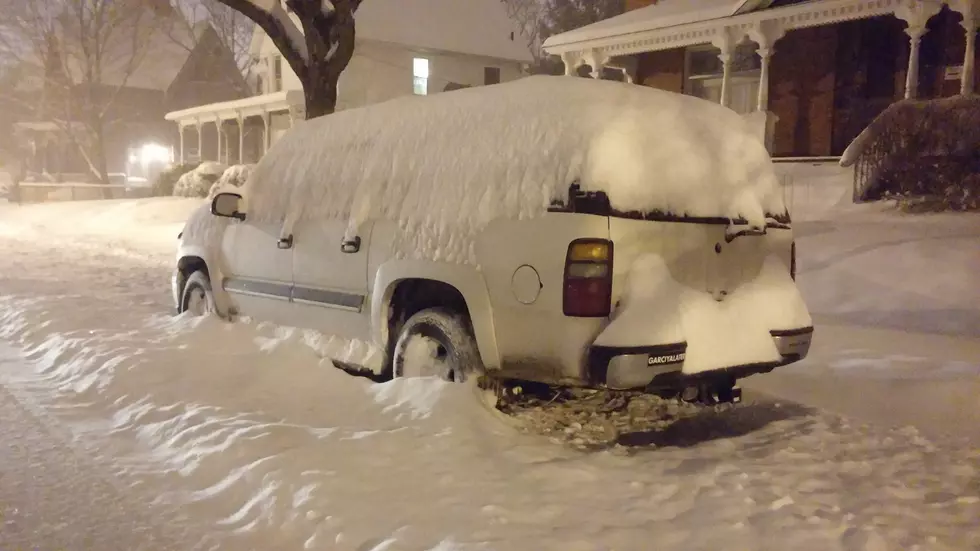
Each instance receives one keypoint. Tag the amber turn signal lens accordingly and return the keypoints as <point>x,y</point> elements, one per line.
<point>589,252</point>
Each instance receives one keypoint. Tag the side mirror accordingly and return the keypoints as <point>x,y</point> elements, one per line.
<point>226,205</point>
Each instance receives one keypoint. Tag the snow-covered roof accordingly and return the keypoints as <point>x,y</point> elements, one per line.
<point>230,110</point>
<point>476,27</point>
<point>448,164</point>
<point>666,13</point>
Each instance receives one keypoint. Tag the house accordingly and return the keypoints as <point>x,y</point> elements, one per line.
<point>163,65</point>
<point>403,47</point>
<point>818,70</point>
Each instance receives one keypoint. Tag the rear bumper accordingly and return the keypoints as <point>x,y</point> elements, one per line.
<point>659,367</point>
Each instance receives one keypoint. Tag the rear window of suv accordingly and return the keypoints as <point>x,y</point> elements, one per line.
<point>597,203</point>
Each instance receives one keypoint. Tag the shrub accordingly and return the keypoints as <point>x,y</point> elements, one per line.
<point>164,184</point>
<point>198,182</point>
<point>924,153</point>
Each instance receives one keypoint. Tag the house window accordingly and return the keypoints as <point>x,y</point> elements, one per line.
<point>491,75</point>
<point>277,73</point>
<point>420,72</point>
<point>259,85</point>
<point>705,71</point>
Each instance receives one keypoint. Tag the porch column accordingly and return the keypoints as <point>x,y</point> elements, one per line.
<point>200,140</point>
<point>180,128</point>
<point>265,134</point>
<point>241,139</point>
<point>912,76</point>
<point>572,61</point>
<point>916,13</point>
<point>765,34</point>
<point>970,24</point>
<point>217,125</point>
<point>762,102</point>
<point>597,62</point>
<point>725,42</point>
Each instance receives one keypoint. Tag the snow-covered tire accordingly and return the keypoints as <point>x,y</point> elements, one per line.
<point>197,298</point>
<point>436,343</point>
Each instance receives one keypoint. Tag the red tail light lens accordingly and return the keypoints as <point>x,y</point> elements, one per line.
<point>792,261</point>
<point>588,278</point>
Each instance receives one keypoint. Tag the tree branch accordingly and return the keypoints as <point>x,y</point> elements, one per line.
<point>281,30</point>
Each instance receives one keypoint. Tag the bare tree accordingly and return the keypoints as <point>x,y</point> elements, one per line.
<point>233,28</point>
<point>318,49</point>
<point>558,16</point>
<point>80,55</point>
<point>527,14</point>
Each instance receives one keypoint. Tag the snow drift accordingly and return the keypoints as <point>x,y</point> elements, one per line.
<point>448,165</point>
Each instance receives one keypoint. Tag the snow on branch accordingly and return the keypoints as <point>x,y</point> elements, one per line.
<point>272,17</point>
<point>316,37</point>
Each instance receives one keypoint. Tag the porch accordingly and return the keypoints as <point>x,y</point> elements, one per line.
<point>239,131</point>
<point>839,62</point>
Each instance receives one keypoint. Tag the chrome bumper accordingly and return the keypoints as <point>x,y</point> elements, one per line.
<point>793,345</point>
<point>631,368</point>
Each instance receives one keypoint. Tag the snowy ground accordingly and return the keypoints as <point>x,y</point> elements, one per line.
<point>241,437</point>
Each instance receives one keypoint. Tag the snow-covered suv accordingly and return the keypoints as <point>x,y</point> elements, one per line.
<point>554,229</point>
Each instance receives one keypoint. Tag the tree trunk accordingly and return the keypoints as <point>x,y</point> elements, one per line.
<point>320,95</point>
<point>99,160</point>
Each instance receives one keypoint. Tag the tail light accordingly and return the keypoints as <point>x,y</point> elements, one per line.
<point>792,261</point>
<point>588,278</point>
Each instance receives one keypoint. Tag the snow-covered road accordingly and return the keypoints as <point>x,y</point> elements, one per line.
<point>244,438</point>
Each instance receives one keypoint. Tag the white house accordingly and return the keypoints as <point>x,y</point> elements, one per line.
<point>403,47</point>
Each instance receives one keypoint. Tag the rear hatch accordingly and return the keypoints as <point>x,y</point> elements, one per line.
<point>717,285</point>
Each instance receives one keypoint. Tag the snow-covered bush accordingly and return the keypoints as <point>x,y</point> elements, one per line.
<point>234,176</point>
<point>198,182</point>
<point>923,153</point>
<point>165,182</point>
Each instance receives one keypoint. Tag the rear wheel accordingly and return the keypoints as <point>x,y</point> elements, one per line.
<point>197,298</point>
<point>436,343</point>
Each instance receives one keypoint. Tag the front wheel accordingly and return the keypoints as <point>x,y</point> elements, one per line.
<point>436,343</point>
<point>197,298</point>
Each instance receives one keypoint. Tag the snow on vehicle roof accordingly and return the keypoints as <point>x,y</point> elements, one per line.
<point>464,158</point>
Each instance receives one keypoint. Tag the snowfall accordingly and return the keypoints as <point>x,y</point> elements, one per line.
<point>127,427</point>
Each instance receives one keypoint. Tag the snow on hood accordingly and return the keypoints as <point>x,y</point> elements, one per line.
<point>451,163</point>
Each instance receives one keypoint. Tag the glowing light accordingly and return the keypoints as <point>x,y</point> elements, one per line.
<point>155,153</point>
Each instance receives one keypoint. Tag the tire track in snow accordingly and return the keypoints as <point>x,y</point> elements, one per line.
<point>277,451</point>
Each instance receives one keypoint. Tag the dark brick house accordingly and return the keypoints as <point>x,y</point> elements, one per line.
<point>820,70</point>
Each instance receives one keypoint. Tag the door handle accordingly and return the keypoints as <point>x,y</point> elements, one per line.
<point>351,246</point>
<point>285,242</point>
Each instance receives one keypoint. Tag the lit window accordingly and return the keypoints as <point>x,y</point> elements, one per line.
<point>420,72</point>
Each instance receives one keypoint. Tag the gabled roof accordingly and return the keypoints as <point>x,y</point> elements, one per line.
<point>663,14</point>
<point>162,46</point>
<point>474,27</point>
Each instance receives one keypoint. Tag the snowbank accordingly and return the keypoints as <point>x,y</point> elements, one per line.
<point>447,165</point>
<point>154,217</point>
<point>198,182</point>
